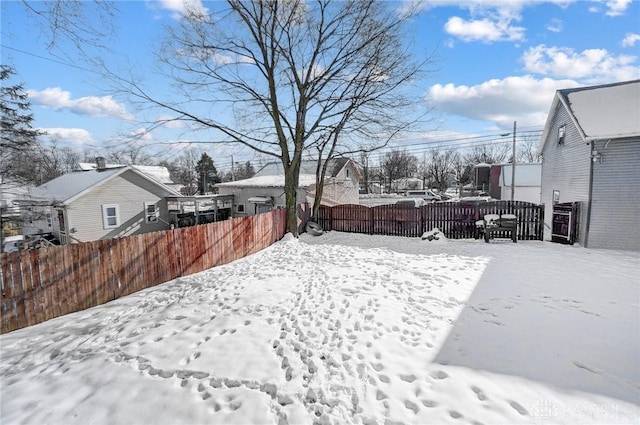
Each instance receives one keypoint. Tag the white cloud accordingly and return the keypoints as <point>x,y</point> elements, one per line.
<point>486,30</point>
<point>75,137</point>
<point>594,65</point>
<point>555,25</point>
<point>522,99</point>
<point>630,39</point>
<point>56,98</point>
<point>489,20</point>
<point>613,7</point>
<point>617,7</point>
<point>181,8</point>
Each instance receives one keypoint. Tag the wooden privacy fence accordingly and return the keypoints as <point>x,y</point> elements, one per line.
<point>455,219</point>
<point>41,284</point>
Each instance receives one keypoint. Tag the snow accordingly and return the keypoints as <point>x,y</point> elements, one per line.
<point>305,180</point>
<point>348,329</point>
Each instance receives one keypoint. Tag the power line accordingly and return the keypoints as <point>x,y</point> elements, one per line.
<point>48,59</point>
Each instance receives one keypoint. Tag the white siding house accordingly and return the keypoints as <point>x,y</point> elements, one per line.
<point>591,155</point>
<point>265,191</point>
<point>83,206</point>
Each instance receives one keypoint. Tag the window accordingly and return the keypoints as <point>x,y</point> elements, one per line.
<point>561,131</point>
<point>240,208</point>
<point>110,216</point>
<point>151,212</point>
<point>48,213</point>
<point>556,196</point>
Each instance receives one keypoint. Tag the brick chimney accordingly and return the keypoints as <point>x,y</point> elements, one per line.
<point>100,163</point>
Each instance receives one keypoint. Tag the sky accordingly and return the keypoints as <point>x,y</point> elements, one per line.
<point>349,329</point>
<point>492,63</point>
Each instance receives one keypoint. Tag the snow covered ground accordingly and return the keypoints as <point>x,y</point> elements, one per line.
<point>348,329</point>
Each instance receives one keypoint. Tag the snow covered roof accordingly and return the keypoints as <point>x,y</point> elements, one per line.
<point>306,167</point>
<point>272,174</point>
<point>159,173</point>
<point>606,112</point>
<point>609,111</point>
<point>305,181</point>
<point>70,186</point>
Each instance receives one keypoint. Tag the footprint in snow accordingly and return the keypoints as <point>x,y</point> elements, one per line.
<point>439,374</point>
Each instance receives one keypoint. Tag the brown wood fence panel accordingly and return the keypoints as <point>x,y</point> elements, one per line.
<point>38,285</point>
<point>455,220</point>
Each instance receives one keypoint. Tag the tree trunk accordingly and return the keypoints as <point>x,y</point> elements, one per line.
<point>291,177</point>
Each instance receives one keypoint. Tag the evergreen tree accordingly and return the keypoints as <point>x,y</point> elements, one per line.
<point>207,174</point>
<point>17,135</point>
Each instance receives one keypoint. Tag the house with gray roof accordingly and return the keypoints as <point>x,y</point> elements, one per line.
<point>265,191</point>
<point>590,152</point>
<point>97,203</point>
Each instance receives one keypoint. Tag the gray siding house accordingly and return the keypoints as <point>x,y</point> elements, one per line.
<point>83,206</point>
<point>591,155</point>
<point>265,191</point>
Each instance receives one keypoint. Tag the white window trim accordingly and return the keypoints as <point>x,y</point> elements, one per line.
<point>155,214</point>
<point>105,221</point>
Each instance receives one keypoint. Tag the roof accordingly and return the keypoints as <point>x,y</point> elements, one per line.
<point>306,167</point>
<point>159,173</point>
<point>272,174</point>
<point>305,180</point>
<point>603,112</point>
<point>70,186</point>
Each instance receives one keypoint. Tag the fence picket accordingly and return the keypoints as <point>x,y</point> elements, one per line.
<point>454,220</point>
<point>41,284</point>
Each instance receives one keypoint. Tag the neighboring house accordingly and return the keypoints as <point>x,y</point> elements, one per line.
<point>591,155</point>
<point>265,191</point>
<point>10,191</point>
<point>406,183</point>
<point>97,204</point>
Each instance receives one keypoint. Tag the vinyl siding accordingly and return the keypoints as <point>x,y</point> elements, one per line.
<point>129,191</point>
<point>565,168</point>
<point>615,208</point>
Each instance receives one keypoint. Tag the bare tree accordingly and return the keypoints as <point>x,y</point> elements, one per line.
<point>366,170</point>
<point>462,170</point>
<point>68,19</point>
<point>399,163</point>
<point>299,78</point>
<point>528,151</point>
<point>440,166</point>
<point>129,154</point>
<point>488,153</point>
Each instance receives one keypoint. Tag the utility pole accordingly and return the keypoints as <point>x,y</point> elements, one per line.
<point>513,164</point>
<point>233,172</point>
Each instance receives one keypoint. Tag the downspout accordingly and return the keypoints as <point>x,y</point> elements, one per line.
<point>590,196</point>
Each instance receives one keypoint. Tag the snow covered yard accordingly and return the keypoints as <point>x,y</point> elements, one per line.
<point>351,329</point>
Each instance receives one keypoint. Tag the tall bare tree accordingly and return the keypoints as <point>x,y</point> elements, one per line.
<point>440,167</point>
<point>298,77</point>
<point>488,153</point>
<point>398,164</point>
<point>528,151</point>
